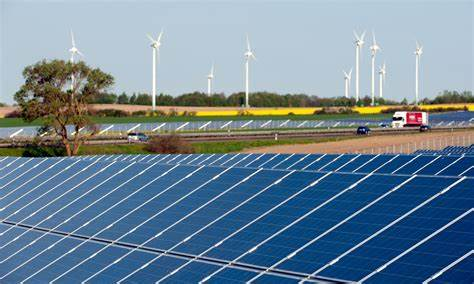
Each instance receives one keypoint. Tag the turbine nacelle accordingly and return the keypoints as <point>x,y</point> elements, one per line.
<point>73,50</point>
<point>155,43</point>
<point>374,47</point>
<point>359,39</point>
<point>347,75</point>
<point>382,71</point>
<point>419,49</point>
<point>211,74</point>
<point>249,54</point>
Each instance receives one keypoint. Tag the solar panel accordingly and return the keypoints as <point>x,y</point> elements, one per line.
<point>215,218</point>
<point>359,163</point>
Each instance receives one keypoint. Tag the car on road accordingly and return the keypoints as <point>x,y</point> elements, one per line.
<point>383,125</point>
<point>137,137</point>
<point>363,130</point>
<point>425,128</point>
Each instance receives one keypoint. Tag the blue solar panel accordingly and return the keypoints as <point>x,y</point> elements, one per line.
<point>174,218</point>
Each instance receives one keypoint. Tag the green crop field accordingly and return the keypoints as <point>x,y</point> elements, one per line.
<point>15,122</point>
<point>199,147</point>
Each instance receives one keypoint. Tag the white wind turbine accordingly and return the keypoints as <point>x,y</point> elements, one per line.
<point>382,72</point>
<point>210,77</point>
<point>359,43</point>
<point>418,52</point>
<point>374,48</point>
<point>347,82</point>
<point>155,45</point>
<point>73,50</point>
<point>248,55</point>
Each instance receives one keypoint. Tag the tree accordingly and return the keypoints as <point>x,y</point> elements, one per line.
<point>104,98</point>
<point>47,95</point>
<point>123,99</point>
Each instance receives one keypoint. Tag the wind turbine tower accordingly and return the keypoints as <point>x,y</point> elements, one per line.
<point>382,72</point>
<point>418,52</point>
<point>374,48</point>
<point>248,55</point>
<point>73,50</point>
<point>347,83</point>
<point>210,77</point>
<point>359,42</point>
<point>155,45</point>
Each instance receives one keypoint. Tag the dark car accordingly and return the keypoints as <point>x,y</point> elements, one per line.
<point>425,128</point>
<point>136,137</point>
<point>363,130</point>
<point>383,125</point>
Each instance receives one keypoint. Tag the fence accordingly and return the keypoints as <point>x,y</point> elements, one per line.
<point>426,145</point>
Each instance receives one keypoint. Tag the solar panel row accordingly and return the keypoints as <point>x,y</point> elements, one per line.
<point>98,220</point>
<point>361,163</point>
<point>450,150</point>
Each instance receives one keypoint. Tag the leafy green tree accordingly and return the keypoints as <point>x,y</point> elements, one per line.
<point>164,100</point>
<point>104,98</point>
<point>123,99</point>
<point>143,99</point>
<point>47,95</point>
<point>133,99</point>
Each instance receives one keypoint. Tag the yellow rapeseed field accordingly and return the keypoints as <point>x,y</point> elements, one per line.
<point>309,111</point>
<point>260,111</point>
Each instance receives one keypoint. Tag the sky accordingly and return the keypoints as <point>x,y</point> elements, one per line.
<point>301,46</point>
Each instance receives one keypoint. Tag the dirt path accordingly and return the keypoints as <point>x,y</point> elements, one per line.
<point>378,144</point>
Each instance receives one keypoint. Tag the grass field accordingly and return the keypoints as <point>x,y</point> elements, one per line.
<point>15,122</point>
<point>199,147</point>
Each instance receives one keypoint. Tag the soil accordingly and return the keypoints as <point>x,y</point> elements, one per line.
<point>378,144</point>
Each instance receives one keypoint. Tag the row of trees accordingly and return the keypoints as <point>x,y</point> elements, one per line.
<point>267,99</point>
<point>257,99</point>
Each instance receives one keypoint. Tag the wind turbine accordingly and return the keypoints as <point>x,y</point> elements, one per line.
<point>155,45</point>
<point>347,82</point>
<point>209,80</point>
<point>374,48</point>
<point>382,72</point>
<point>359,43</point>
<point>418,52</point>
<point>248,55</point>
<point>73,50</point>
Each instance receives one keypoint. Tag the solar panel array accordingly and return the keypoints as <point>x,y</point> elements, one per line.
<point>237,218</point>
<point>352,163</point>
<point>453,119</point>
<point>450,150</point>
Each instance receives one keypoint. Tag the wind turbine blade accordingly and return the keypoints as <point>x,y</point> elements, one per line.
<point>254,58</point>
<point>417,45</point>
<point>345,74</point>
<point>373,38</point>
<point>362,36</point>
<point>80,53</point>
<point>350,73</point>
<point>356,35</point>
<point>248,43</point>
<point>72,39</point>
<point>150,38</point>
<point>212,70</point>
<point>160,35</point>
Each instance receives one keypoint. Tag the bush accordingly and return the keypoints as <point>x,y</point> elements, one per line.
<point>335,110</point>
<point>37,149</point>
<point>139,113</point>
<point>109,113</point>
<point>157,113</point>
<point>402,108</point>
<point>169,144</point>
<point>188,113</point>
<point>13,114</point>
<point>172,112</point>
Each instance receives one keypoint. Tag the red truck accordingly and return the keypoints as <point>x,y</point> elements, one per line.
<point>409,118</point>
